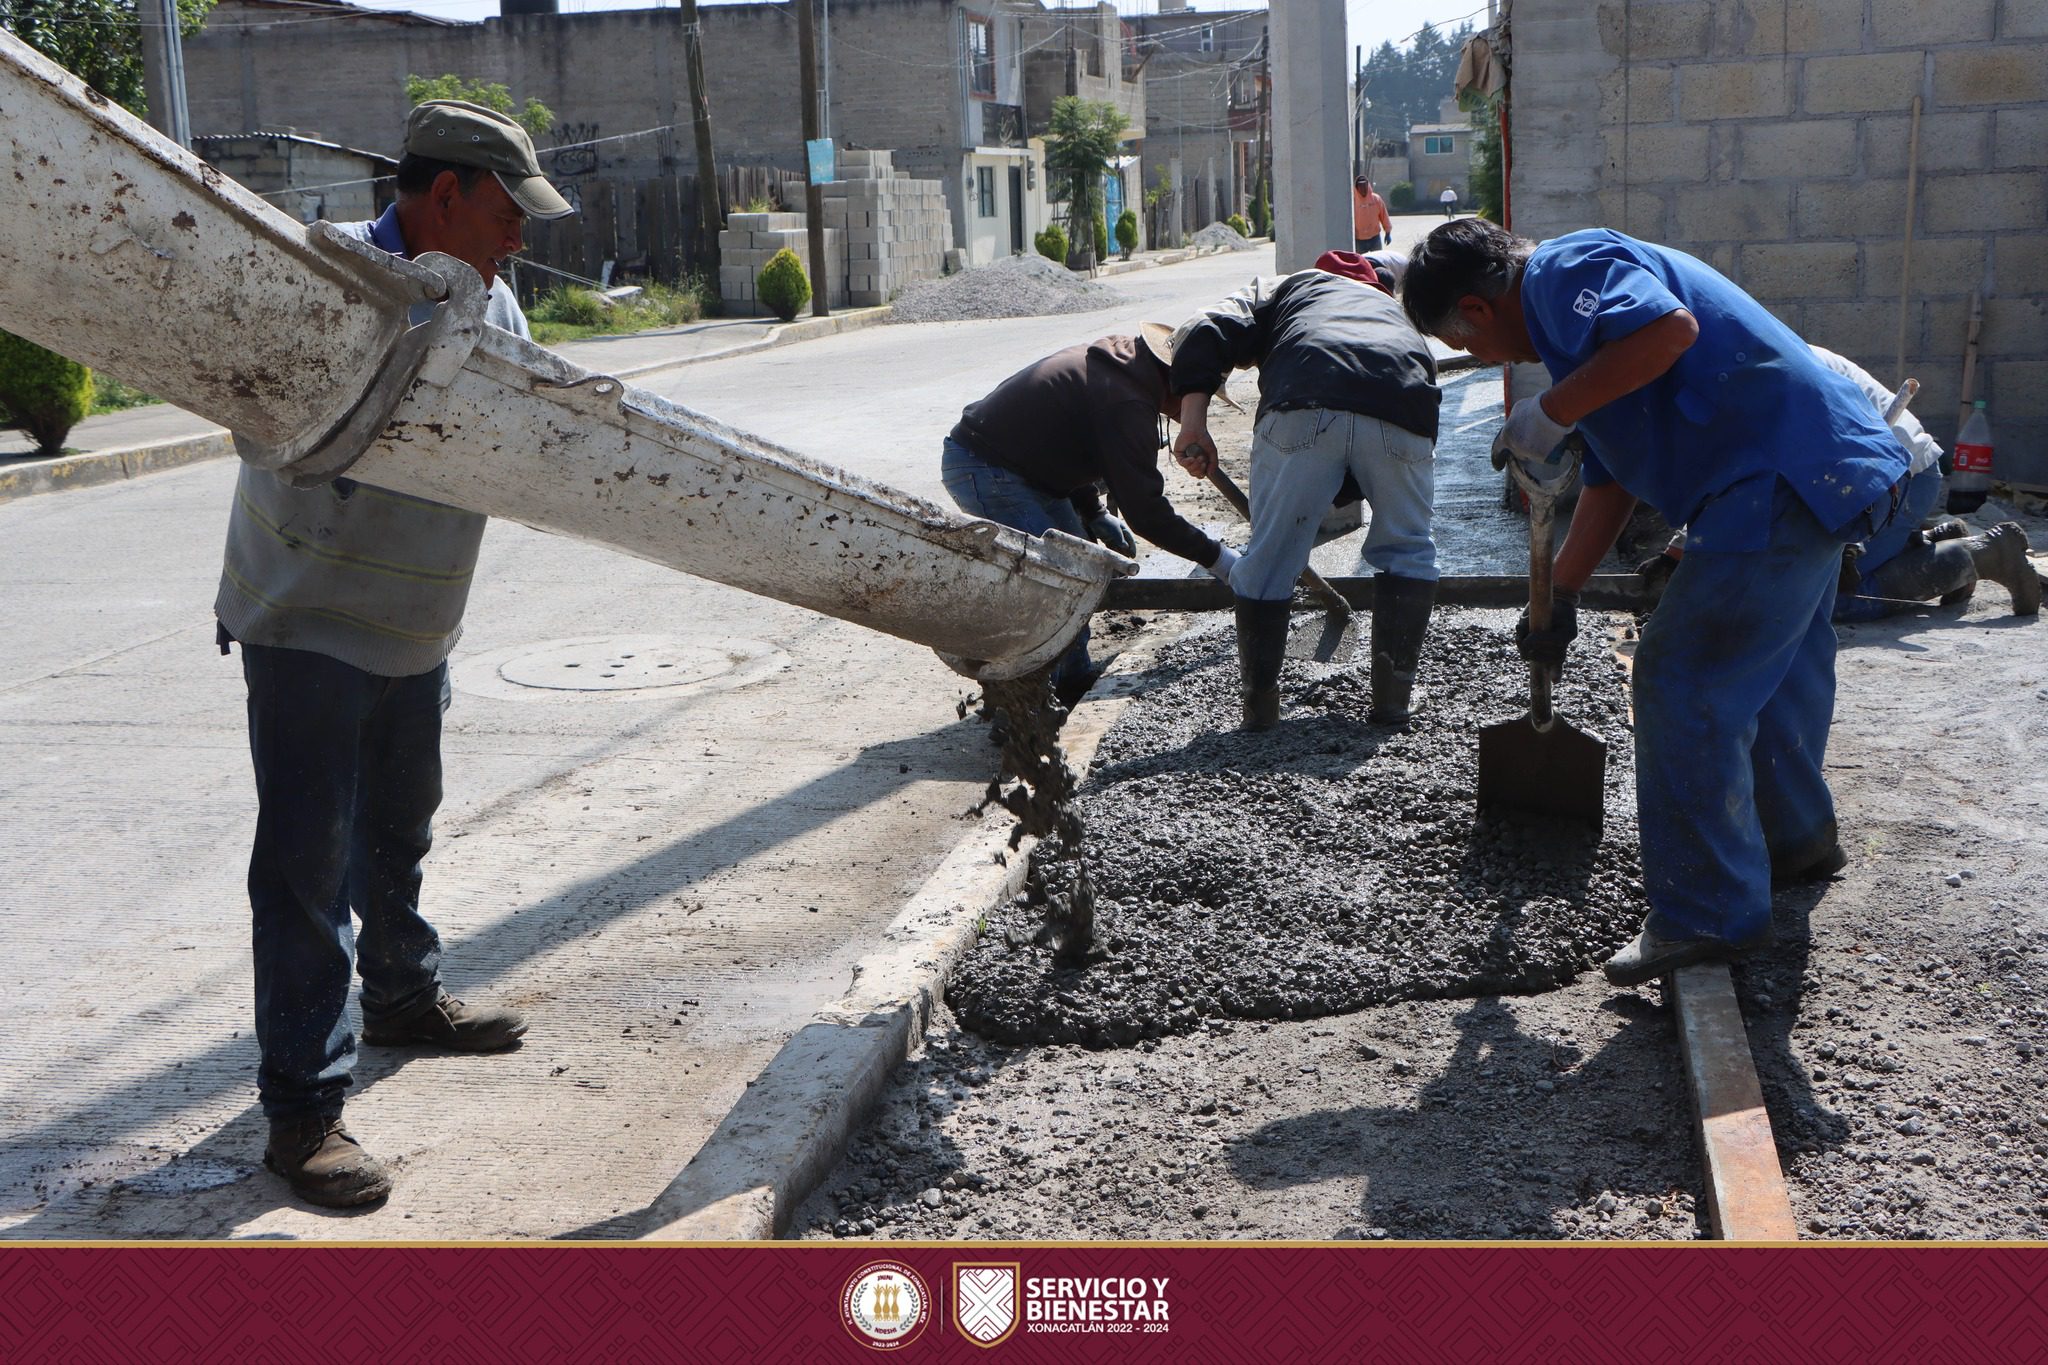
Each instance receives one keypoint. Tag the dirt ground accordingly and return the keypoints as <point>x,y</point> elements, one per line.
<point>1899,1031</point>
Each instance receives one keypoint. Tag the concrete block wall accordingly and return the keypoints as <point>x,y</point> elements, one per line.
<point>1770,138</point>
<point>882,232</point>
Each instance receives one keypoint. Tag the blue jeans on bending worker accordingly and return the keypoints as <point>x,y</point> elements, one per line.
<point>335,749</point>
<point>1734,692</point>
<point>985,489</point>
<point>1298,462</point>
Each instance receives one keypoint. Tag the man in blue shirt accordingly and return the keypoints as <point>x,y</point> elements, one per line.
<point>1693,398</point>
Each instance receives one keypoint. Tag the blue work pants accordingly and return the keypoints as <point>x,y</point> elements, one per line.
<point>1734,693</point>
<point>1923,491</point>
<point>348,776</point>
<point>985,489</point>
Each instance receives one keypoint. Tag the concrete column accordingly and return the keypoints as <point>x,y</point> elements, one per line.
<point>1311,131</point>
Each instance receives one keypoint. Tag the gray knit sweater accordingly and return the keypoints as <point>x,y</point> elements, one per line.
<point>375,579</point>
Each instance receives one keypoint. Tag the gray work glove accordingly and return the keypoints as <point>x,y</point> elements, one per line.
<point>1111,533</point>
<point>1547,647</point>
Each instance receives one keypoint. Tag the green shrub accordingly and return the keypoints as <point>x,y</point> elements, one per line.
<point>1101,239</point>
<point>1127,232</point>
<point>111,395</point>
<point>782,286</point>
<point>1262,216</point>
<point>1239,225</point>
<point>1401,198</point>
<point>572,307</point>
<point>45,394</point>
<point>1052,243</point>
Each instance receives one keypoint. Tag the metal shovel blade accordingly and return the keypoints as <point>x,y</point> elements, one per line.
<point>1559,770</point>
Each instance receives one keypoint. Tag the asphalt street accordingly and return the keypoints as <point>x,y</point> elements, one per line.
<point>669,878</point>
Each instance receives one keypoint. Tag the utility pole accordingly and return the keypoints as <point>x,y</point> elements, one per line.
<point>709,218</point>
<point>1360,159</point>
<point>814,194</point>
<point>163,70</point>
<point>1311,132</point>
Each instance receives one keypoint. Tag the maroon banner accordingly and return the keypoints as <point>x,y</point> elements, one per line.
<point>1009,1305</point>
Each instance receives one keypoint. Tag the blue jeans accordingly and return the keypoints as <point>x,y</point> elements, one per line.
<point>1923,490</point>
<point>1298,463</point>
<point>988,490</point>
<point>1734,694</point>
<point>348,776</point>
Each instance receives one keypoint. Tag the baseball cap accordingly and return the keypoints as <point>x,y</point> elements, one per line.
<point>471,135</point>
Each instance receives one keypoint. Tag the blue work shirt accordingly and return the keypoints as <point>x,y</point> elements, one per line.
<point>384,233</point>
<point>1747,404</point>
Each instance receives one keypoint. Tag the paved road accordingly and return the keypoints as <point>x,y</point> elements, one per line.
<point>668,879</point>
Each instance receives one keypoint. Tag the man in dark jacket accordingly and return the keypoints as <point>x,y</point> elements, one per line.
<point>1037,452</point>
<point>1346,385</point>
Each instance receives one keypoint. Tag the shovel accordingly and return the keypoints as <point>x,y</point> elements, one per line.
<point>1319,587</point>
<point>1540,762</point>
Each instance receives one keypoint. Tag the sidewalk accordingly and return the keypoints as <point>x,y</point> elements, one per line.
<point>120,445</point>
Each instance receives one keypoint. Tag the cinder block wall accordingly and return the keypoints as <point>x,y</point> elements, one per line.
<point>882,231</point>
<point>1770,137</point>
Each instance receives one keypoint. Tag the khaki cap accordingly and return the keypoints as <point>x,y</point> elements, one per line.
<point>1162,341</point>
<point>471,135</point>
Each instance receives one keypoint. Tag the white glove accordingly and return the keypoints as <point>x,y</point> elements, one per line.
<point>1226,560</point>
<point>1531,442</point>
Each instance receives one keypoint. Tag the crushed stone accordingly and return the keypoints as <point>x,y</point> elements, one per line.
<point>1325,866</point>
<point>1222,237</point>
<point>1013,287</point>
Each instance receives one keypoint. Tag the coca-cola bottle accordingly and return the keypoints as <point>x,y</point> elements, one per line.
<point>1971,481</point>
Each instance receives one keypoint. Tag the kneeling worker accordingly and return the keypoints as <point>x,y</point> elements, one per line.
<point>1690,395</point>
<point>1035,453</point>
<point>1346,385</point>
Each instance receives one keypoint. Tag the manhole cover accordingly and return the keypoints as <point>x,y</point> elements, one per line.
<point>632,663</point>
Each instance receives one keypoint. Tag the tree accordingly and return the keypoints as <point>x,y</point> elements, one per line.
<point>1080,140</point>
<point>98,40</point>
<point>536,118</point>
<point>1488,186</point>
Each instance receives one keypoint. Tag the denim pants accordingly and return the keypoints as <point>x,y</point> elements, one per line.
<point>1734,695</point>
<point>988,490</point>
<point>1298,463</point>
<point>1923,491</point>
<point>348,776</point>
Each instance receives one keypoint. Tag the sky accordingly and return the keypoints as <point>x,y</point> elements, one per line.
<point>1369,22</point>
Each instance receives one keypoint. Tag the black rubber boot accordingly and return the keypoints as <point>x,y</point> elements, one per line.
<point>2000,555</point>
<point>1921,573</point>
<point>1400,619</point>
<point>1261,648</point>
<point>1948,528</point>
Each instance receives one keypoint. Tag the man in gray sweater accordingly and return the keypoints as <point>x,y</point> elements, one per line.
<point>347,600</point>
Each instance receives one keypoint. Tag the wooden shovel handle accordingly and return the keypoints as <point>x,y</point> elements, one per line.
<point>1318,586</point>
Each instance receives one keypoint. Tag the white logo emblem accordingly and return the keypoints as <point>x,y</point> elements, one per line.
<point>885,1305</point>
<point>1587,304</point>
<point>985,1300</point>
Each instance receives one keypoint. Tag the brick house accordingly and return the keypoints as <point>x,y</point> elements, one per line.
<point>306,177</point>
<point>1772,139</point>
<point>955,88</point>
<point>1440,157</point>
<point>1201,70</point>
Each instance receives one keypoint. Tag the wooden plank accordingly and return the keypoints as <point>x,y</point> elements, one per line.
<point>1744,1196</point>
<point>1607,592</point>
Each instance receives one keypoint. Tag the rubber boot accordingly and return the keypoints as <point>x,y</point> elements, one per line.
<point>1261,648</point>
<point>1400,618</point>
<point>1948,528</point>
<point>2000,555</point>
<point>1920,573</point>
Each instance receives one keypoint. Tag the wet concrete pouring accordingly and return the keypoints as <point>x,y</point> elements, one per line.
<point>1307,1015</point>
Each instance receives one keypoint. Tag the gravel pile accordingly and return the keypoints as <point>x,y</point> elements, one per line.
<point>1328,865</point>
<point>1014,287</point>
<point>1222,237</point>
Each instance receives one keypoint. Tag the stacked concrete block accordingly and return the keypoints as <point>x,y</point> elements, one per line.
<point>897,230</point>
<point>1771,138</point>
<point>750,241</point>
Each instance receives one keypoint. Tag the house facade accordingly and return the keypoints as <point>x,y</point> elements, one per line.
<point>1440,157</point>
<point>1202,72</point>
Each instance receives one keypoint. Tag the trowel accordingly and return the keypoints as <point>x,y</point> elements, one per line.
<point>1541,762</point>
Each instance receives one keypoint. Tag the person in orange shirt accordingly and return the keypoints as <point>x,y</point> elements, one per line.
<point>1369,218</point>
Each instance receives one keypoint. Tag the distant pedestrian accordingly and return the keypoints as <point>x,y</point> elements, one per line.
<point>1370,226</point>
<point>1449,199</point>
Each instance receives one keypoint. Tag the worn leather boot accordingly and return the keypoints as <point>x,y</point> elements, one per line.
<point>1648,956</point>
<point>1261,649</point>
<point>1948,528</point>
<point>1400,619</point>
<point>1817,860</point>
<point>450,1024</point>
<point>324,1164</point>
<point>1921,573</point>
<point>2000,554</point>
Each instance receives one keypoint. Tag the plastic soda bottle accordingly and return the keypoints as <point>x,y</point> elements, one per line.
<point>1971,481</point>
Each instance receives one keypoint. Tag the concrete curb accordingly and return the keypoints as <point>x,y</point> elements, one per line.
<point>792,1126</point>
<point>109,466</point>
<point>809,329</point>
